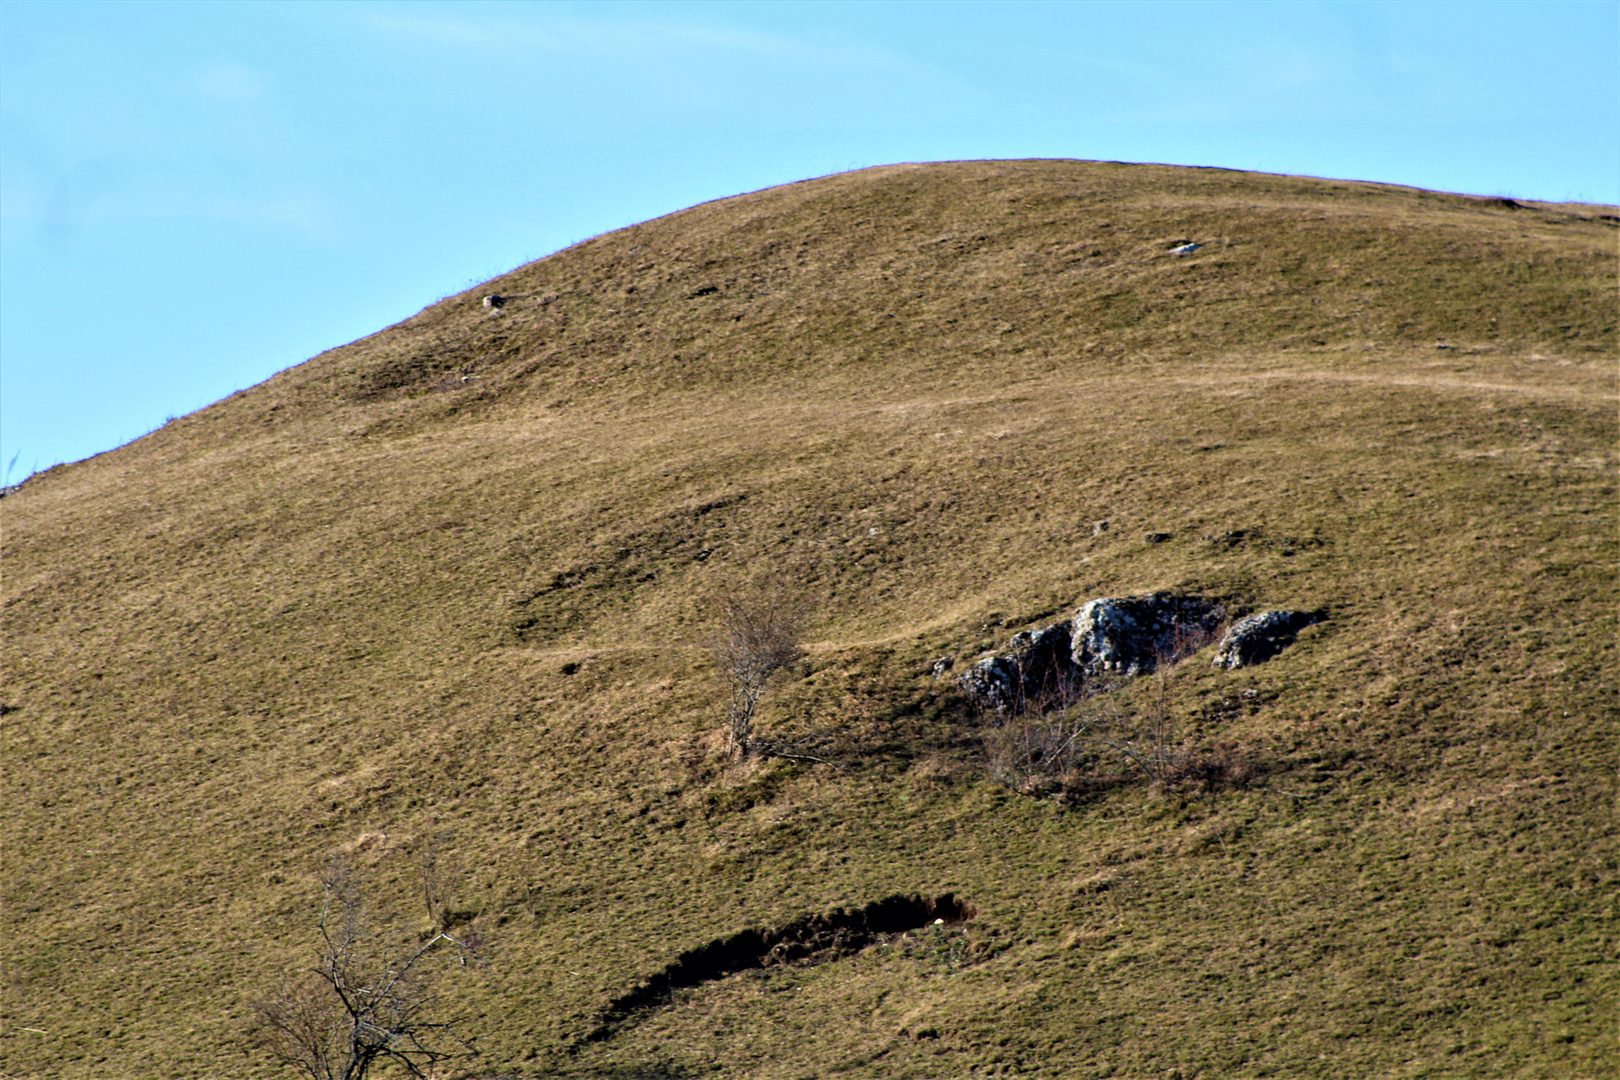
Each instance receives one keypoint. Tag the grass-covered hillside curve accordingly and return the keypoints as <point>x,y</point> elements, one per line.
<point>453,583</point>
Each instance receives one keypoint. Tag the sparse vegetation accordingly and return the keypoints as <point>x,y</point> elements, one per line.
<point>1074,738</point>
<point>260,634</point>
<point>760,636</point>
<point>369,1000</point>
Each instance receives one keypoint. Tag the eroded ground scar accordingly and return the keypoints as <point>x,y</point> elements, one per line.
<point>814,939</point>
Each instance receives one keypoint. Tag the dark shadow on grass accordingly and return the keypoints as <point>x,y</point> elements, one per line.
<point>814,939</point>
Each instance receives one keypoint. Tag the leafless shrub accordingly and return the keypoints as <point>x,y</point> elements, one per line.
<point>364,1002</point>
<point>1211,769</point>
<point>1035,754</point>
<point>1061,738</point>
<point>1044,739</point>
<point>1188,638</point>
<point>303,1027</point>
<point>760,634</point>
<point>1147,741</point>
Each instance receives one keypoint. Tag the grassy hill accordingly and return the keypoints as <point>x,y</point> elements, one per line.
<point>453,582</point>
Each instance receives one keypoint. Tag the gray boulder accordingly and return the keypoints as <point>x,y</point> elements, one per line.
<point>1128,635</point>
<point>1035,665</point>
<point>1258,637</point>
<point>991,683</point>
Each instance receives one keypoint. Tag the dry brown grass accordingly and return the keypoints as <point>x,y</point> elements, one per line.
<point>367,598</point>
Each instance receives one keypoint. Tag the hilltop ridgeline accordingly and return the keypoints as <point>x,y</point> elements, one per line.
<point>928,270</point>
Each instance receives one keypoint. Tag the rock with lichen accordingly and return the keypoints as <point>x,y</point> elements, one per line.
<point>1258,637</point>
<point>1130,635</point>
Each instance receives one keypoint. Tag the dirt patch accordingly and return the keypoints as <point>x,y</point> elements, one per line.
<point>814,939</point>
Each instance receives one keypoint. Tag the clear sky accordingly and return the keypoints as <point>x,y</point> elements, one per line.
<point>196,195</point>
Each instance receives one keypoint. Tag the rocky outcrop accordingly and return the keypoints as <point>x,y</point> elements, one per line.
<point>1036,664</point>
<point>1112,636</point>
<point>1119,637</point>
<point>1129,635</point>
<point>1258,637</point>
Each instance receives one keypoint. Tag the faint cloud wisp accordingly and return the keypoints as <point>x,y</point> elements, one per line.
<point>40,189</point>
<point>229,81</point>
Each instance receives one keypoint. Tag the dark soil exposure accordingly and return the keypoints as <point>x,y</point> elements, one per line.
<point>814,939</point>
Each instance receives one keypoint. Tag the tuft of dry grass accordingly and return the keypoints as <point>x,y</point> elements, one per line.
<point>458,575</point>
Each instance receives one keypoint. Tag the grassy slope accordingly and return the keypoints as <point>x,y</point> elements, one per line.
<point>455,576</point>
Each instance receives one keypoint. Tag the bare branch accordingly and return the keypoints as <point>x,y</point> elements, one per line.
<point>361,1003</point>
<point>759,635</point>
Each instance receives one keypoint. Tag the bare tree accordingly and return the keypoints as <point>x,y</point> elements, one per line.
<point>760,634</point>
<point>364,1002</point>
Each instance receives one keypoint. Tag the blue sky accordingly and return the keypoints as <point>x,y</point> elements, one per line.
<point>194,196</point>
